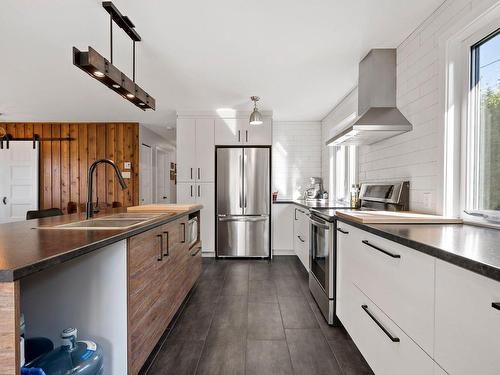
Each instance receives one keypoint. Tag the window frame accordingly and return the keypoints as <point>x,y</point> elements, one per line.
<point>469,181</point>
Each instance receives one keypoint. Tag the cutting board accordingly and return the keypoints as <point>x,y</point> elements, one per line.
<point>170,207</point>
<point>389,217</point>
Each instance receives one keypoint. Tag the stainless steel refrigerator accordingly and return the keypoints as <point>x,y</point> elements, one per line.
<point>243,190</point>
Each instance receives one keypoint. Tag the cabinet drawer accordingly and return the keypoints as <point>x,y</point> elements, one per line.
<point>301,247</point>
<point>467,325</point>
<point>386,348</point>
<point>398,279</point>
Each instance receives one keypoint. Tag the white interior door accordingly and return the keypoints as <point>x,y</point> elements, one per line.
<point>18,180</point>
<point>163,176</point>
<point>146,173</point>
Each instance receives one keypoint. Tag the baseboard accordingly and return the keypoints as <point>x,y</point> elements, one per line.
<point>283,252</point>
<point>208,254</point>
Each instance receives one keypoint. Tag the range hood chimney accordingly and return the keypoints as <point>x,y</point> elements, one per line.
<point>380,118</point>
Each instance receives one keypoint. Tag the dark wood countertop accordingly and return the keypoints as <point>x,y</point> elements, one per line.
<point>24,249</point>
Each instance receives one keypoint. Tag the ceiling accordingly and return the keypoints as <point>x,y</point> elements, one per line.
<point>300,56</point>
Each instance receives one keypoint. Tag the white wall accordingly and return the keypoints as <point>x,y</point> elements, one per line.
<point>155,140</point>
<point>416,156</point>
<point>296,156</point>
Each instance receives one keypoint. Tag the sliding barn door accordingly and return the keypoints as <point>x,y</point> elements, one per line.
<point>18,180</point>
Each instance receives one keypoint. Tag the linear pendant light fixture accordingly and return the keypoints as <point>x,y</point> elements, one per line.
<point>104,71</point>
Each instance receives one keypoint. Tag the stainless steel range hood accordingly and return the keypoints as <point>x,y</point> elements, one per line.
<point>380,118</point>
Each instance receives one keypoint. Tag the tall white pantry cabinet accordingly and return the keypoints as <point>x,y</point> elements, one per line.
<point>197,136</point>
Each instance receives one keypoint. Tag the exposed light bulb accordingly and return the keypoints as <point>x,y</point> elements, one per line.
<point>131,96</point>
<point>116,86</point>
<point>98,74</point>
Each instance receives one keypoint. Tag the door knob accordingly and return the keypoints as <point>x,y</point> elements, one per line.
<point>4,200</point>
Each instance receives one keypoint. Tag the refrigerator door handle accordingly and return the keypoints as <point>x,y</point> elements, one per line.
<point>244,187</point>
<point>241,177</point>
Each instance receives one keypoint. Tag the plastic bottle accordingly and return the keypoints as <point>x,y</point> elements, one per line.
<point>72,357</point>
<point>355,202</point>
<point>22,332</point>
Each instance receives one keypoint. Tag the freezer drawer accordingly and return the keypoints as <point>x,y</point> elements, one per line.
<point>243,236</point>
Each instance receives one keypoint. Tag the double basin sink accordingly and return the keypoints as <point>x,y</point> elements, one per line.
<point>116,221</point>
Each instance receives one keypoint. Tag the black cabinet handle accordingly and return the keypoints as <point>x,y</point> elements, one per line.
<point>392,255</point>
<point>184,231</point>
<point>160,255</point>
<point>342,231</point>
<point>199,173</point>
<point>295,215</point>
<point>191,190</point>
<point>196,252</point>
<point>393,338</point>
<point>299,210</point>
<point>246,136</point>
<point>199,191</point>
<point>496,305</point>
<point>300,238</point>
<point>168,245</point>
<point>239,136</point>
<point>191,173</point>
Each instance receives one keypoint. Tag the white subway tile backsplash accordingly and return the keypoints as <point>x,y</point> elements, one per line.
<point>296,155</point>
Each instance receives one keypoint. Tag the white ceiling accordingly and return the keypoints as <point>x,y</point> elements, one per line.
<point>300,56</point>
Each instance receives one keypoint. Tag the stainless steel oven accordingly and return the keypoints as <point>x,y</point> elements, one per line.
<point>392,196</point>
<point>322,274</point>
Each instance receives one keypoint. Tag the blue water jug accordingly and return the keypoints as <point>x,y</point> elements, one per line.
<point>73,357</point>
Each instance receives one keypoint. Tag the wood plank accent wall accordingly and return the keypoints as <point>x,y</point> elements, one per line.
<point>64,164</point>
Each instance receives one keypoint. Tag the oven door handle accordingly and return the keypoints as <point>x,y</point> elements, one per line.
<point>318,224</point>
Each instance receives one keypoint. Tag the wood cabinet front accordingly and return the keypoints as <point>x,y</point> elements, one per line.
<point>161,271</point>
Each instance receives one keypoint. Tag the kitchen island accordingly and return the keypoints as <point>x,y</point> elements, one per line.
<point>120,287</point>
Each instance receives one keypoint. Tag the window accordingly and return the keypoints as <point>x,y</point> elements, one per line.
<point>345,171</point>
<point>482,190</point>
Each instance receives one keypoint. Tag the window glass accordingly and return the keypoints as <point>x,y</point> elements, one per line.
<point>485,123</point>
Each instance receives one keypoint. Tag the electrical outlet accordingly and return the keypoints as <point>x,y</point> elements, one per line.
<point>126,174</point>
<point>127,165</point>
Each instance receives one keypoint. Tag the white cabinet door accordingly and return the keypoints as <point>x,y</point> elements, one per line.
<point>467,325</point>
<point>186,150</point>
<point>205,195</point>
<point>258,134</point>
<point>398,279</point>
<point>228,132</point>
<point>301,236</point>
<point>186,192</point>
<point>386,348</point>
<point>282,225</point>
<point>205,150</point>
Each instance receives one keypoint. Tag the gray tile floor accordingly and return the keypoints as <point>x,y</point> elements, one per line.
<point>255,317</point>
